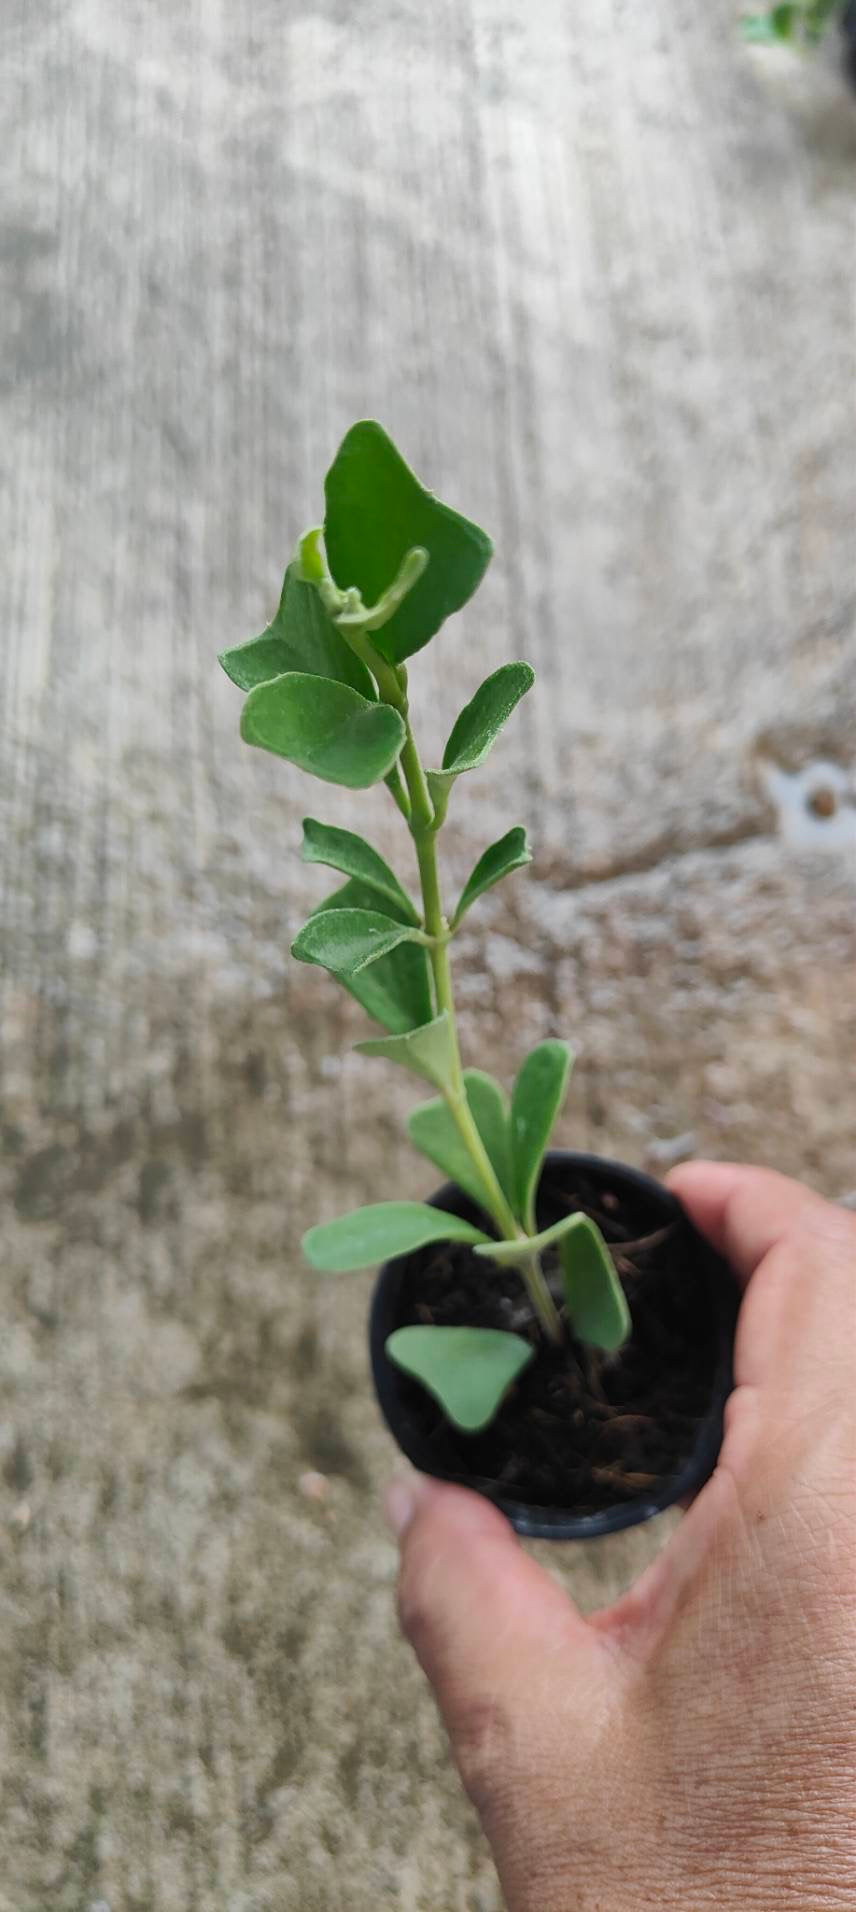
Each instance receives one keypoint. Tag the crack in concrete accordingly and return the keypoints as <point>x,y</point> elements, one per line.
<point>650,856</point>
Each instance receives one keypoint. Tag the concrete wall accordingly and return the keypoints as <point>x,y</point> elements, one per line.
<point>594,268</point>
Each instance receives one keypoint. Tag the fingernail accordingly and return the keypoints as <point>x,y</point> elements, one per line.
<point>399,1505</point>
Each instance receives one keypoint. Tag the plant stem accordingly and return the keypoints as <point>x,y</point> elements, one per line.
<point>422,828</point>
<point>423,823</point>
<point>541,1298</point>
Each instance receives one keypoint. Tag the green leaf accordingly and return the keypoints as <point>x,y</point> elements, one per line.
<point>468,1370</point>
<point>757,30</point>
<point>301,638</point>
<point>433,1131</point>
<point>510,853</point>
<point>346,940</point>
<point>818,16</point>
<point>428,1052</point>
<point>396,989</point>
<point>342,850</point>
<point>594,1298</point>
<point>354,895</point>
<point>489,1105</point>
<point>524,1247</point>
<point>324,727</point>
<point>309,562</point>
<point>478,726</point>
<point>373,1234</point>
<point>536,1099</point>
<point>771,28</point>
<point>481,720</point>
<point>377,512</point>
<point>783,21</point>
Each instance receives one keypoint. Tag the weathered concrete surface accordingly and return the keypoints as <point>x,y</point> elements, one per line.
<point>595,269</point>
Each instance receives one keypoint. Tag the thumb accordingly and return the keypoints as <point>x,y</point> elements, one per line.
<point>793,1254</point>
<point>489,1627</point>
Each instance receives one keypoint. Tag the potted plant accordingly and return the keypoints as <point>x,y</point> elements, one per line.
<point>548,1328</point>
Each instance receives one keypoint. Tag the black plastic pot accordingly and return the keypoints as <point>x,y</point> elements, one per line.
<point>657,1208</point>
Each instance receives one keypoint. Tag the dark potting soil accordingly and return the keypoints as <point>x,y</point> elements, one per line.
<point>579,1430</point>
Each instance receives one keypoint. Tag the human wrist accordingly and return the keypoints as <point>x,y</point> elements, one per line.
<point>784,1872</point>
<point>827,1885</point>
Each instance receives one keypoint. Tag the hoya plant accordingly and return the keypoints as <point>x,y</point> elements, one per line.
<point>328,687</point>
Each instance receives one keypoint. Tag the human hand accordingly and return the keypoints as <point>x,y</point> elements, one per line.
<point>693,1746</point>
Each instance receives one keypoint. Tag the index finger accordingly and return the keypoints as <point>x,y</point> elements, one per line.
<point>744,1212</point>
